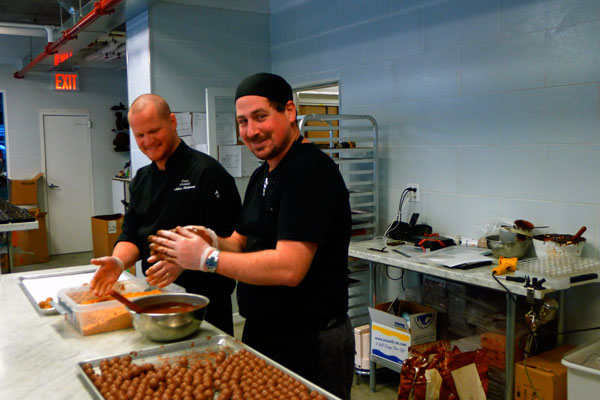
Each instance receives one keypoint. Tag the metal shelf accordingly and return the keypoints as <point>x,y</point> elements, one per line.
<point>358,166</point>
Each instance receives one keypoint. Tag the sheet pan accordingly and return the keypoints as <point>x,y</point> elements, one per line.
<point>172,352</point>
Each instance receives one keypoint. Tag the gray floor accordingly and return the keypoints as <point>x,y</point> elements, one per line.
<point>387,381</point>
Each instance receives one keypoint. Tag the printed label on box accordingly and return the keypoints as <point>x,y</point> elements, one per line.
<point>390,344</point>
<point>112,227</point>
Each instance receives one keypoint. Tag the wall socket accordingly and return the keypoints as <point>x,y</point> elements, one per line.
<point>415,196</point>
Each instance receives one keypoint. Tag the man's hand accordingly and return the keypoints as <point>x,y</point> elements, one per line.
<point>181,246</point>
<point>163,273</point>
<point>108,273</point>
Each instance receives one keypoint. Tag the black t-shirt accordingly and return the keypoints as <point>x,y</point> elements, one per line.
<point>194,189</point>
<point>303,199</point>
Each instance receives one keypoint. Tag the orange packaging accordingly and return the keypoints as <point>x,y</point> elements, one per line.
<point>495,344</point>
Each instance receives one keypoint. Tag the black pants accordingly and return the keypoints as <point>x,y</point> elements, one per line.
<point>324,357</point>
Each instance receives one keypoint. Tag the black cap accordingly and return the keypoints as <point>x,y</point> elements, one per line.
<point>271,86</point>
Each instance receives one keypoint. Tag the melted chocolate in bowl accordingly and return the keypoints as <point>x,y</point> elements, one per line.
<point>170,307</point>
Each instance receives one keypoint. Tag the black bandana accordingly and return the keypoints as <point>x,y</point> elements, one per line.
<point>271,86</point>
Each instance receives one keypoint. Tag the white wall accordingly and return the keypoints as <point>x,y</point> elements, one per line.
<point>491,106</point>
<point>100,89</point>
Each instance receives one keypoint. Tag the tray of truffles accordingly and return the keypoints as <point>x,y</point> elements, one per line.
<point>91,314</point>
<point>42,289</point>
<point>217,367</point>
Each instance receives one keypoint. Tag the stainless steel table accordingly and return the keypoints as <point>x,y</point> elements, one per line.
<point>477,276</point>
<point>7,229</point>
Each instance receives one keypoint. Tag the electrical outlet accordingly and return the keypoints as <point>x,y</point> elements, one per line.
<point>415,196</point>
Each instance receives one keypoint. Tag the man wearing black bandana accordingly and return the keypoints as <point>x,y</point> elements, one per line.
<point>289,251</point>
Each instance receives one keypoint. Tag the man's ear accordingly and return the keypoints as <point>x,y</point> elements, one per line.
<point>173,120</point>
<point>290,107</point>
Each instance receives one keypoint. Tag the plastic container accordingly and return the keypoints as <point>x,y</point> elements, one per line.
<point>104,316</point>
<point>583,371</point>
<point>557,245</point>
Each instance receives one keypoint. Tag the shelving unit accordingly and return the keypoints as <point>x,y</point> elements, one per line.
<point>351,140</point>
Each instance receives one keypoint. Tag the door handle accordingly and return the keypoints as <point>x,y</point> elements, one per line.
<point>53,186</point>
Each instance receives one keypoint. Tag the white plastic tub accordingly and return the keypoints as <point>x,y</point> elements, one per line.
<point>583,371</point>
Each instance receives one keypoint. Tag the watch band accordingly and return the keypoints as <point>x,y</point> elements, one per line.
<point>212,261</point>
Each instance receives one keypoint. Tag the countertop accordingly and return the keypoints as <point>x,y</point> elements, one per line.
<point>480,276</point>
<point>39,353</point>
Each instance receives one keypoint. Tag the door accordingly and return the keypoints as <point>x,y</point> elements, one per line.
<point>67,158</point>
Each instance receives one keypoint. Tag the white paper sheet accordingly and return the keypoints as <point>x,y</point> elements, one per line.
<point>199,127</point>
<point>237,160</point>
<point>226,133</point>
<point>184,123</point>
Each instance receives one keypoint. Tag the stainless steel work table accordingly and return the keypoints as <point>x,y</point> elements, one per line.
<point>480,276</point>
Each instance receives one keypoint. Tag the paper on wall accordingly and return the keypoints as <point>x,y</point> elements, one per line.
<point>199,127</point>
<point>237,160</point>
<point>226,133</point>
<point>184,123</point>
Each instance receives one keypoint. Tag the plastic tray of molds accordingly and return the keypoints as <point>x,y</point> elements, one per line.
<point>43,287</point>
<point>561,272</point>
<point>92,315</point>
<point>193,357</point>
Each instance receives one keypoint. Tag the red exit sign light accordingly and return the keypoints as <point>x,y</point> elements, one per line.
<point>65,81</point>
<point>61,57</point>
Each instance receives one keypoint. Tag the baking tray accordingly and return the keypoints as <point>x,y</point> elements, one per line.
<point>197,349</point>
<point>39,287</point>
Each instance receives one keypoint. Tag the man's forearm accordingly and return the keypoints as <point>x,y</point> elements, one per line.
<point>235,243</point>
<point>126,252</point>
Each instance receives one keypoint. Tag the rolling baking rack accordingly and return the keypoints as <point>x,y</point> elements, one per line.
<point>351,141</point>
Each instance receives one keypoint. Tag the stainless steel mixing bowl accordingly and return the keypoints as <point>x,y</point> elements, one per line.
<point>172,326</point>
<point>518,248</point>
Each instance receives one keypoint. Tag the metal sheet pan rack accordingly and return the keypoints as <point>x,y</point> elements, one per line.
<point>351,140</point>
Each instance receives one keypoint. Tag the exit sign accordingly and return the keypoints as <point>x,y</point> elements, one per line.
<point>65,81</point>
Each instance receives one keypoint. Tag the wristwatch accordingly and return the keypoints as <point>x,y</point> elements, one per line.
<point>212,261</point>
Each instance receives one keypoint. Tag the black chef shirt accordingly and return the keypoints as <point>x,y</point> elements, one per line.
<point>303,199</point>
<point>194,189</point>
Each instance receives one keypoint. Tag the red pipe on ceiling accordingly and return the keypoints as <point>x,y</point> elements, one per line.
<point>101,7</point>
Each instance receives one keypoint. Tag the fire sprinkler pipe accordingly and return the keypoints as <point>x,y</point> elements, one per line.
<point>101,7</point>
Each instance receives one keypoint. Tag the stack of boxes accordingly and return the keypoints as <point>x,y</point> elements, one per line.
<point>31,245</point>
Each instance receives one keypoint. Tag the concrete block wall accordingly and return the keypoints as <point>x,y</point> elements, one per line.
<point>490,105</point>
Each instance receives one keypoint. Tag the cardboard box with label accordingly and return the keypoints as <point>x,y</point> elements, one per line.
<point>24,191</point>
<point>105,231</point>
<point>392,334</point>
<point>548,375</point>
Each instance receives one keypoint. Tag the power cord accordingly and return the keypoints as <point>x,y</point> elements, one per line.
<point>403,195</point>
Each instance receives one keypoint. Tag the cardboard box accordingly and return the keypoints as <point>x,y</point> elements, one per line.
<point>31,246</point>
<point>392,335</point>
<point>548,375</point>
<point>24,191</point>
<point>495,344</point>
<point>105,231</point>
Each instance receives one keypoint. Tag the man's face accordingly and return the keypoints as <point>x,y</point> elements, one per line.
<point>155,136</point>
<point>265,131</point>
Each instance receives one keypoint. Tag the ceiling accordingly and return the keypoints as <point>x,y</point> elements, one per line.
<point>99,46</point>
<point>39,12</point>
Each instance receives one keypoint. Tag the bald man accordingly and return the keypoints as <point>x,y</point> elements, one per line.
<point>180,187</point>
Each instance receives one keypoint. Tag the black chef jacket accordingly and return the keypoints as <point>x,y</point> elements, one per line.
<point>303,199</point>
<point>194,189</point>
